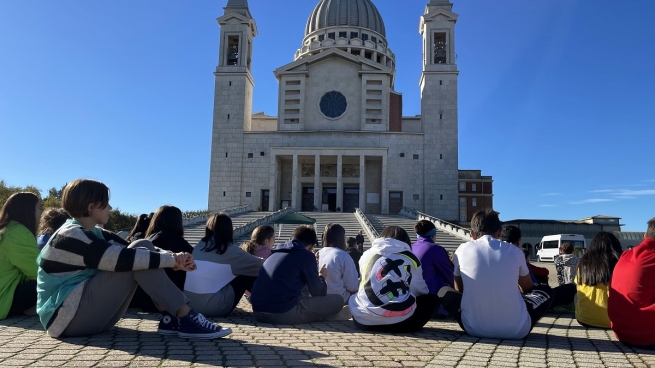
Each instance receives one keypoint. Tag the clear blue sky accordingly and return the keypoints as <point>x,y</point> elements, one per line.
<point>556,98</point>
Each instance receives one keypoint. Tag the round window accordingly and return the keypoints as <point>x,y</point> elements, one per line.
<point>333,104</point>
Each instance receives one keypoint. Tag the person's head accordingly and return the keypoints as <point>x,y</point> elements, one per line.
<point>219,229</point>
<point>334,235</point>
<point>51,220</point>
<point>486,222</point>
<point>85,198</point>
<point>650,232</point>
<point>567,248</point>
<point>425,229</point>
<point>526,246</point>
<point>24,208</point>
<point>511,234</point>
<point>396,232</point>
<point>140,226</point>
<point>351,242</point>
<point>166,218</point>
<point>306,235</point>
<point>597,264</point>
<point>262,235</point>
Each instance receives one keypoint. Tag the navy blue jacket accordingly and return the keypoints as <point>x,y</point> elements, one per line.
<point>282,277</point>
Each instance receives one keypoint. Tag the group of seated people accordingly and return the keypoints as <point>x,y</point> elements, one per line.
<point>84,278</point>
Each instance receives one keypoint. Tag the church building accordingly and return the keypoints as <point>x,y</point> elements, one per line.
<point>339,141</point>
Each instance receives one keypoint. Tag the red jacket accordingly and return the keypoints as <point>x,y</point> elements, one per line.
<point>631,305</point>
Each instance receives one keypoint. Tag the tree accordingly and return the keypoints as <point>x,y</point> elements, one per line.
<point>120,221</point>
<point>7,191</point>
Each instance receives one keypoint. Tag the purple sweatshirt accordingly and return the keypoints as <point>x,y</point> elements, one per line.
<point>437,268</point>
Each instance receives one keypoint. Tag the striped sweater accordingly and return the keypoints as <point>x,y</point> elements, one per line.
<point>75,255</point>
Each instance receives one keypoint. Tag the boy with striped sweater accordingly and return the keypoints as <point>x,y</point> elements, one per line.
<point>86,279</point>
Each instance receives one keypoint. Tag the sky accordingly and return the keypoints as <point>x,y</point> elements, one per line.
<point>556,98</point>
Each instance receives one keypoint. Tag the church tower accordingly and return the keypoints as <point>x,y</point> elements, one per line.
<point>439,110</point>
<point>232,104</point>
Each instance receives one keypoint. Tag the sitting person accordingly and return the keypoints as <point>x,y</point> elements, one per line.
<point>566,264</point>
<point>51,220</point>
<point>165,231</point>
<point>18,251</point>
<point>261,242</point>
<point>631,305</point>
<point>342,276</point>
<point>512,235</point>
<point>393,297</point>
<point>85,283</point>
<point>292,266</point>
<point>140,227</point>
<point>225,271</point>
<point>486,301</point>
<point>353,251</point>
<point>593,278</point>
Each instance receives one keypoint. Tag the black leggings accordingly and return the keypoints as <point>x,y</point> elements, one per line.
<point>24,298</point>
<point>427,307</point>
<point>240,284</point>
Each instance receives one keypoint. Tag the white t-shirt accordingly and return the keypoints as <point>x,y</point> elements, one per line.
<point>492,305</point>
<point>342,276</point>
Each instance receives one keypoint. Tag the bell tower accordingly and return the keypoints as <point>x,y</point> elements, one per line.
<point>439,110</point>
<point>232,105</point>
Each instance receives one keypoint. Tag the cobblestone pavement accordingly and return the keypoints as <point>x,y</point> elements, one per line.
<point>557,341</point>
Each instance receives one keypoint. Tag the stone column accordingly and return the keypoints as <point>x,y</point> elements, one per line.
<point>318,198</point>
<point>273,185</point>
<point>385,192</point>
<point>340,182</point>
<point>362,183</point>
<point>294,184</point>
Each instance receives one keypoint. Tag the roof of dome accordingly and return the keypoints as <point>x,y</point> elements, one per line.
<point>354,13</point>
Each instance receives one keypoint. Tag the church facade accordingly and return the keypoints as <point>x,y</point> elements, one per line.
<point>339,141</point>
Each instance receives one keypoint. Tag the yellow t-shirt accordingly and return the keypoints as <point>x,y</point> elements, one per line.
<point>591,305</point>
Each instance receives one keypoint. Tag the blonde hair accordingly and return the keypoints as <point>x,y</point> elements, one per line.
<point>258,237</point>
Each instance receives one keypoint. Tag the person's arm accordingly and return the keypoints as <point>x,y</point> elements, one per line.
<point>457,277</point>
<point>525,281</point>
<point>244,263</point>
<point>350,275</point>
<point>73,249</point>
<point>315,283</point>
<point>444,266</point>
<point>24,257</point>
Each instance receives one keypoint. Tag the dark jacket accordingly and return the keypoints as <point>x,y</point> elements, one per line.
<point>283,276</point>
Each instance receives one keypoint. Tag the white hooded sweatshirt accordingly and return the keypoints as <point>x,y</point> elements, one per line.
<point>392,278</point>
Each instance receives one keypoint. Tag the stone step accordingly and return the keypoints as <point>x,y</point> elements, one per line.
<point>448,241</point>
<point>193,233</point>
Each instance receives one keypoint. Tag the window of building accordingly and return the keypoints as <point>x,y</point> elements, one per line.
<point>374,39</point>
<point>364,37</point>
<point>415,157</point>
<point>402,154</point>
<point>354,35</point>
<point>331,35</point>
<point>321,38</point>
<point>232,50</point>
<point>248,194</point>
<point>462,202</point>
<point>474,202</point>
<point>474,187</point>
<point>462,187</point>
<point>250,155</point>
<point>440,51</point>
<point>343,34</point>
<point>416,197</point>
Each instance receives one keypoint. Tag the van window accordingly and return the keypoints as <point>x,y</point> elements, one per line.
<point>550,244</point>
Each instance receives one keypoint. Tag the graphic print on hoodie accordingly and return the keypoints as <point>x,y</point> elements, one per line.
<point>389,291</point>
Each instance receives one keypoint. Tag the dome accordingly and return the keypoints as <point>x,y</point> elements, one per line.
<point>346,13</point>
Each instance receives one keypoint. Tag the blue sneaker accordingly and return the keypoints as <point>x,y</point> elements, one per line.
<point>169,325</point>
<point>195,326</point>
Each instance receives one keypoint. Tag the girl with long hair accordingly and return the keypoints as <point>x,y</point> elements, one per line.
<point>593,279</point>
<point>225,271</point>
<point>261,242</point>
<point>19,218</point>
<point>342,274</point>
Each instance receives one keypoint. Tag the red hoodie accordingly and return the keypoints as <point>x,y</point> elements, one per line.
<point>631,305</point>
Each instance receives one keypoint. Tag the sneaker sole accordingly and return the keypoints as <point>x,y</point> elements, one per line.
<point>216,335</point>
<point>167,332</point>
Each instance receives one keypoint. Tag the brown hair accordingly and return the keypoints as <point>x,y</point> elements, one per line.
<point>334,235</point>
<point>81,193</point>
<point>396,232</point>
<point>306,235</point>
<point>258,237</point>
<point>650,233</point>
<point>166,218</point>
<point>20,207</point>
<point>567,248</point>
<point>485,222</point>
<point>423,227</point>
<point>219,228</point>
<point>351,242</point>
<point>51,220</point>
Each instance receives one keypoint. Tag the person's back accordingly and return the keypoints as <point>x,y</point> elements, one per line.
<point>492,305</point>
<point>176,244</point>
<point>436,265</point>
<point>631,305</point>
<point>566,266</point>
<point>342,274</point>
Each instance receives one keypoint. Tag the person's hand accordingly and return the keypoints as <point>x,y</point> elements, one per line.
<point>190,263</point>
<point>323,271</point>
<point>184,262</point>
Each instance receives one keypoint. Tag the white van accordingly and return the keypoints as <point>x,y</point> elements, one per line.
<point>550,244</point>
